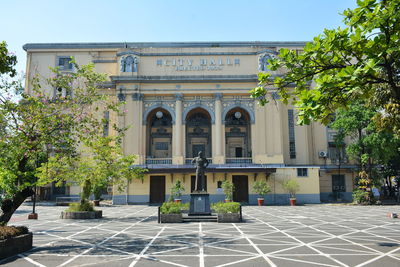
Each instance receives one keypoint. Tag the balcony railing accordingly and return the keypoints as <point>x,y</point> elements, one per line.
<point>239,160</point>
<point>158,161</point>
<point>189,160</point>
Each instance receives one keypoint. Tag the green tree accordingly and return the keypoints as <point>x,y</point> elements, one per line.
<point>7,61</point>
<point>370,147</point>
<point>360,61</point>
<point>39,127</point>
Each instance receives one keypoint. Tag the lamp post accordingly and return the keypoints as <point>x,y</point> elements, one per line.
<point>34,215</point>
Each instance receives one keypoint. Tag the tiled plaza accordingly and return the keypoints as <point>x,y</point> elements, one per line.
<point>313,235</point>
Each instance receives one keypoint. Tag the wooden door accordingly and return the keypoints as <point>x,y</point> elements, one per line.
<point>157,189</point>
<point>241,193</point>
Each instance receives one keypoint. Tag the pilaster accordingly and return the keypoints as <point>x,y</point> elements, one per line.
<point>218,156</point>
<point>177,130</point>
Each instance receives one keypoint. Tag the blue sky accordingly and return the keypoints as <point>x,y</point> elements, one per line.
<point>44,21</point>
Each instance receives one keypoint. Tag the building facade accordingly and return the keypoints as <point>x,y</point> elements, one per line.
<point>182,98</point>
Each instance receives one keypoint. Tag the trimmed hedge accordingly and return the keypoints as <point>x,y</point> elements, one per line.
<point>12,231</point>
<point>228,207</point>
<point>171,208</point>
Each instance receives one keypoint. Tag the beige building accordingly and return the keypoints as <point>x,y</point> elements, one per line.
<point>182,98</point>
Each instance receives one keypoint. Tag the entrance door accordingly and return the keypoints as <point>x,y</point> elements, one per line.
<point>157,189</point>
<point>193,182</point>
<point>241,193</point>
<point>338,184</point>
<point>197,148</point>
<point>239,152</point>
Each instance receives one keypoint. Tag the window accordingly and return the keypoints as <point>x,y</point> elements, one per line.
<point>292,143</point>
<point>161,146</point>
<point>237,61</point>
<point>64,63</point>
<point>219,184</point>
<point>62,92</point>
<point>337,152</point>
<point>302,172</point>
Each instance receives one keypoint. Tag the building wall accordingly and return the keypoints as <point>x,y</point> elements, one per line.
<point>223,83</point>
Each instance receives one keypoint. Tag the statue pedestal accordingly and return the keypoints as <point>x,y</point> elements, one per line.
<point>200,203</point>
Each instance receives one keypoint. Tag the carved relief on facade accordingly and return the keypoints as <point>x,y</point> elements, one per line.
<point>129,63</point>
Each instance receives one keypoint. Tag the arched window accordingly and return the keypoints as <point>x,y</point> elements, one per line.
<point>237,134</point>
<point>198,133</point>
<point>159,134</point>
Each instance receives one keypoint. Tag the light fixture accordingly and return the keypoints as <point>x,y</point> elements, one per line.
<point>159,114</point>
<point>238,115</point>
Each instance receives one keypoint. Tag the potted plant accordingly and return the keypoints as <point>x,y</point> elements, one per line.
<point>228,188</point>
<point>291,186</point>
<point>177,190</point>
<point>97,192</point>
<point>261,188</point>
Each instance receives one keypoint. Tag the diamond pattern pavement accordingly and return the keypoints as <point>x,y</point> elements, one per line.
<point>312,235</point>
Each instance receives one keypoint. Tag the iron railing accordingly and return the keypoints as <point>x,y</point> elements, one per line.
<point>239,160</point>
<point>189,160</point>
<point>158,161</point>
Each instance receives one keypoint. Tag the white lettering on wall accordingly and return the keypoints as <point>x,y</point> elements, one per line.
<point>199,64</point>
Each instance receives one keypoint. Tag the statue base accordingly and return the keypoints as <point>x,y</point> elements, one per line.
<point>199,203</point>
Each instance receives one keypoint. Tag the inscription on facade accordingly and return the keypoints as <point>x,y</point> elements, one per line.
<point>201,64</point>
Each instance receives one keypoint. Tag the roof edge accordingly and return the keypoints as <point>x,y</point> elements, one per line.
<point>103,45</point>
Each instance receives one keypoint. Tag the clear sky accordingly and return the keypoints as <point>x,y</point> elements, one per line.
<point>45,21</point>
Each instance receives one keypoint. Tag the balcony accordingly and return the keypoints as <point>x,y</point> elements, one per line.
<point>189,160</point>
<point>239,160</point>
<point>158,161</point>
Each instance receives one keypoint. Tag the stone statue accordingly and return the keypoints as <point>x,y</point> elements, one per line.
<point>201,165</point>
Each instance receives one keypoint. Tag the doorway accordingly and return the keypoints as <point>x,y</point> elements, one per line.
<point>157,189</point>
<point>241,193</point>
<point>239,152</point>
<point>338,186</point>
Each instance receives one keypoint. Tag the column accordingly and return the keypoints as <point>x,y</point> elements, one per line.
<point>177,141</point>
<point>218,155</point>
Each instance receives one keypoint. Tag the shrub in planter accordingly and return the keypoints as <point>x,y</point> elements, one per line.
<point>171,212</point>
<point>81,210</point>
<point>80,206</point>
<point>14,240</point>
<point>261,188</point>
<point>228,188</point>
<point>227,212</point>
<point>292,187</point>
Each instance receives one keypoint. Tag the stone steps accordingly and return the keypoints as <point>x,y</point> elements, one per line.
<point>199,218</point>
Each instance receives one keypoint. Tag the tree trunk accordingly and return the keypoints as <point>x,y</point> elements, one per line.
<point>9,206</point>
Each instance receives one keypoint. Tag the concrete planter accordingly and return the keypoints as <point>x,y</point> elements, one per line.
<point>228,217</point>
<point>79,215</point>
<point>171,218</point>
<point>15,245</point>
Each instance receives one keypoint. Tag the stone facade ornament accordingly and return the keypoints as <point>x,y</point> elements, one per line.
<point>263,61</point>
<point>129,64</point>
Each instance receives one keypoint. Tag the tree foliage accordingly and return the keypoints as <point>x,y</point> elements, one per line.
<point>44,138</point>
<point>360,61</point>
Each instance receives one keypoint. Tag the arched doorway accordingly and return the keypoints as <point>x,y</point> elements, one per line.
<point>198,133</point>
<point>159,134</point>
<point>237,136</point>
